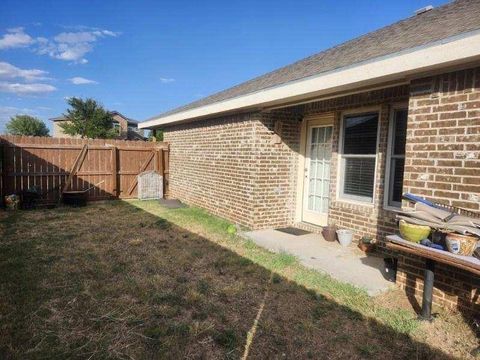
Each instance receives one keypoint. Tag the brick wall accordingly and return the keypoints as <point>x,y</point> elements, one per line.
<point>277,146</point>
<point>443,164</point>
<point>443,139</point>
<point>235,167</point>
<point>454,288</point>
<point>213,165</point>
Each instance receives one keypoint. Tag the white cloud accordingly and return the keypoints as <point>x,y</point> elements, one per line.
<point>10,75</point>
<point>15,38</point>
<point>110,33</point>
<point>75,37</point>
<point>69,46</point>
<point>26,89</point>
<point>72,46</point>
<point>78,80</point>
<point>9,71</point>
<point>166,80</point>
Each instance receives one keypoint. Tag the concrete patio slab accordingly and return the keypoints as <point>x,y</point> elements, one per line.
<point>346,264</point>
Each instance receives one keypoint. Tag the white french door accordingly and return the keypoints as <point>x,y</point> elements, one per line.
<point>316,189</point>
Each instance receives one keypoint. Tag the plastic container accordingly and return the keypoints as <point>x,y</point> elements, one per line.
<point>390,269</point>
<point>75,198</point>
<point>461,244</point>
<point>345,237</point>
<point>329,233</point>
<point>412,232</point>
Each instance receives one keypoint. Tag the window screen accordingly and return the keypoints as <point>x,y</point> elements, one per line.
<point>359,155</point>
<point>396,155</point>
<point>361,134</point>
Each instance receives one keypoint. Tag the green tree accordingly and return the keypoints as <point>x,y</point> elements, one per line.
<point>26,125</point>
<point>88,119</point>
<point>156,134</point>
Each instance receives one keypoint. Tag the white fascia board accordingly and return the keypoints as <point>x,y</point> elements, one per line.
<point>450,51</point>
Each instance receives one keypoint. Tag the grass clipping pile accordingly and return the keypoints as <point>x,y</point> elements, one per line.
<point>128,280</point>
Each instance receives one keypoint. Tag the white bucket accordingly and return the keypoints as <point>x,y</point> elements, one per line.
<point>345,237</point>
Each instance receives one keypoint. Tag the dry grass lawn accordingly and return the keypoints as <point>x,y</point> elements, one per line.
<point>131,280</point>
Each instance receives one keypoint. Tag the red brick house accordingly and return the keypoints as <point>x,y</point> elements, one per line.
<point>340,135</point>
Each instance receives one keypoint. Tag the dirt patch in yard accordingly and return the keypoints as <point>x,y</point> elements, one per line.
<point>134,280</point>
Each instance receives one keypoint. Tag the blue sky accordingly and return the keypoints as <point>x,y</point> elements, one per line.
<point>145,57</point>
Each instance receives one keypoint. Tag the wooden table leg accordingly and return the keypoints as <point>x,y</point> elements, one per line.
<point>428,279</point>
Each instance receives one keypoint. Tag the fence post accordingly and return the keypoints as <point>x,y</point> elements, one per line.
<point>156,161</point>
<point>115,191</point>
<point>4,190</point>
<point>166,171</point>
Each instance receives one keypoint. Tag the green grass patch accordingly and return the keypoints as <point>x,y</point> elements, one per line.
<point>357,300</point>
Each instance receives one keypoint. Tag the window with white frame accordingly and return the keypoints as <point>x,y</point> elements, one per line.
<point>358,156</point>
<point>396,157</point>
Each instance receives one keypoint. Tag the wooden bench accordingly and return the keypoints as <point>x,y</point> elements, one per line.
<point>432,256</point>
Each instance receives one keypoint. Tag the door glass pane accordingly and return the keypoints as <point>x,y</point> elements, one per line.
<point>315,136</point>
<point>326,168</point>
<point>319,174</point>
<point>318,188</point>
<point>326,188</point>
<point>321,135</point>
<point>311,187</point>
<point>319,171</point>
<point>313,169</point>
<point>318,204</point>
<point>328,152</point>
<point>328,135</point>
<point>321,151</point>
<point>325,205</point>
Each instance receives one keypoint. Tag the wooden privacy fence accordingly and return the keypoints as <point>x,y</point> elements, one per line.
<point>110,167</point>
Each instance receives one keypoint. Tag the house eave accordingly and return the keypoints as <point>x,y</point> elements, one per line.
<point>397,67</point>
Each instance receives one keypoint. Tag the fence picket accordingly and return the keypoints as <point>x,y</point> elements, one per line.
<point>46,162</point>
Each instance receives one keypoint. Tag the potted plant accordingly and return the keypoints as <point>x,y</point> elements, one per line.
<point>345,237</point>
<point>366,244</point>
<point>330,232</point>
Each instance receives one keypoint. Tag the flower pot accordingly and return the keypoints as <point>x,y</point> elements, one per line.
<point>461,244</point>
<point>329,233</point>
<point>345,237</point>
<point>365,247</point>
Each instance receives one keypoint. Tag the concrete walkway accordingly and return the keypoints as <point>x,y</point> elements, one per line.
<point>348,264</point>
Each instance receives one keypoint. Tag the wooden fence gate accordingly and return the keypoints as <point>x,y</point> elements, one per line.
<point>110,167</point>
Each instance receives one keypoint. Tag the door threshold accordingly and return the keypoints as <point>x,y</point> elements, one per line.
<point>309,227</point>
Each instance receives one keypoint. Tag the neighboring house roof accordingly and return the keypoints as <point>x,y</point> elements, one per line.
<point>129,121</point>
<point>134,135</point>
<point>58,118</point>
<point>430,27</point>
